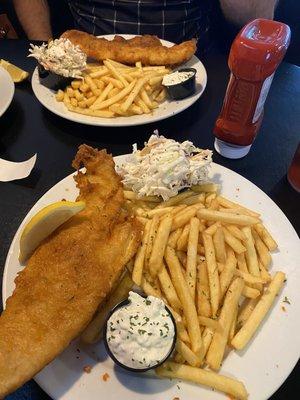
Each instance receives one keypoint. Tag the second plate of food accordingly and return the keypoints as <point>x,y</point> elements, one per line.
<point>165,109</point>
<point>86,372</point>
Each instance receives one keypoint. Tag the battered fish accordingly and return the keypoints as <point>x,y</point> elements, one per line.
<point>68,275</point>
<point>147,49</point>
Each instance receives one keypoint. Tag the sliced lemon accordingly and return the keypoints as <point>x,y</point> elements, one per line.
<point>17,74</point>
<point>44,223</point>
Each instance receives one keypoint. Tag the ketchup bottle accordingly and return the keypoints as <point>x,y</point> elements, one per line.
<point>254,57</point>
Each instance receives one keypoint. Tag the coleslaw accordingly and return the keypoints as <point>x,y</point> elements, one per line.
<point>60,56</point>
<point>164,167</point>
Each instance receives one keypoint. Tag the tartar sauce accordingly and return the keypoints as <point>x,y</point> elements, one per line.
<point>176,77</point>
<point>140,334</point>
<point>61,57</point>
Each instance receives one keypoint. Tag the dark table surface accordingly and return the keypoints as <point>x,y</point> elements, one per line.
<point>27,128</point>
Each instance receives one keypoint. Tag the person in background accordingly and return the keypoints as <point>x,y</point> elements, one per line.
<point>173,20</point>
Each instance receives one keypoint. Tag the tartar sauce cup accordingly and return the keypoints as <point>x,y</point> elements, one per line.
<point>185,88</point>
<point>113,356</point>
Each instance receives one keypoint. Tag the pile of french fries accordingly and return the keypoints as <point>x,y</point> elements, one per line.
<point>208,258</point>
<point>114,89</point>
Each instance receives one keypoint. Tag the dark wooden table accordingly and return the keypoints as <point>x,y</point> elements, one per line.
<point>27,128</point>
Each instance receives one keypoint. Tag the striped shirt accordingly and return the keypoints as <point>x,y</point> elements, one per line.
<point>173,20</point>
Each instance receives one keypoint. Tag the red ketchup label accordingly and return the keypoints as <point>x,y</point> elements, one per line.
<point>254,57</point>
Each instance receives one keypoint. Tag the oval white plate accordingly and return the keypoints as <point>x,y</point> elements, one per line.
<point>263,366</point>
<point>7,90</point>
<point>165,110</point>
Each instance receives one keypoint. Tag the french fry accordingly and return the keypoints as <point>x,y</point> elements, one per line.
<point>59,95</point>
<point>92,113</point>
<point>209,198</point>
<point>236,232</point>
<point>243,336</point>
<point>115,82</point>
<point>140,256</point>
<point>213,276</point>
<point>76,84</point>
<point>98,105</point>
<point>113,93</point>
<point>84,87</point>
<point>159,245</point>
<point>213,228</point>
<point>185,298</point>
<point>245,311</point>
<point>248,278</point>
<point>266,237</point>
<point>207,336</point>
<point>70,91</point>
<point>175,199</point>
<point>116,74</point>
<point>173,238</point>
<point>201,376</point>
<point>179,359</point>
<point>116,108</point>
<point>250,292</point>
<point>142,104</point>
<point>187,353</point>
<point>134,92</point>
<point>219,244</point>
<point>233,242</point>
<point>149,289</point>
<point>78,96</point>
<point>241,262</point>
<point>203,294</point>
<point>210,323</point>
<point>158,212</point>
<point>134,109</point>
<point>182,257</point>
<point>250,254</point>
<point>92,332</point>
<point>216,350</point>
<point>99,83</point>
<point>262,250</point>
<point>184,217</point>
<point>152,235</point>
<point>168,288</point>
<point>183,238</point>
<point>104,94</point>
<point>181,331</point>
<point>191,263</point>
<point>212,215</point>
<point>232,329</point>
<point>228,272</point>
<point>74,102</point>
<point>263,272</point>
<point>230,204</point>
<point>99,73</point>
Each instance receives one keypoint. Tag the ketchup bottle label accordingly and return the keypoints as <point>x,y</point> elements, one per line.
<point>262,98</point>
<point>255,54</point>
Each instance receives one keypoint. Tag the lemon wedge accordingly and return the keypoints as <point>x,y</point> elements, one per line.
<point>17,74</point>
<point>44,223</point>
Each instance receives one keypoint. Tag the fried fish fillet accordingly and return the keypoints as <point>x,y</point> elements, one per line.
<point>147,49</point>
<point>68,275</point>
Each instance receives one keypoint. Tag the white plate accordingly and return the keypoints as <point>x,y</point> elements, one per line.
<point>263,366</point>
<point>165,110</point>
<point>7,89</point>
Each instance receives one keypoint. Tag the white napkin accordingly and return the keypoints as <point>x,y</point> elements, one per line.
<point>9,171</point>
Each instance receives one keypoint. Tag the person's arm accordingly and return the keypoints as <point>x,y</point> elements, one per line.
<point>34,17</point>
<point>242,11</point>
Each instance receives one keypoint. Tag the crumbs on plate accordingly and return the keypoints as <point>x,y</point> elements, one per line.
<point>105,377</point>
<point>87,369</point>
